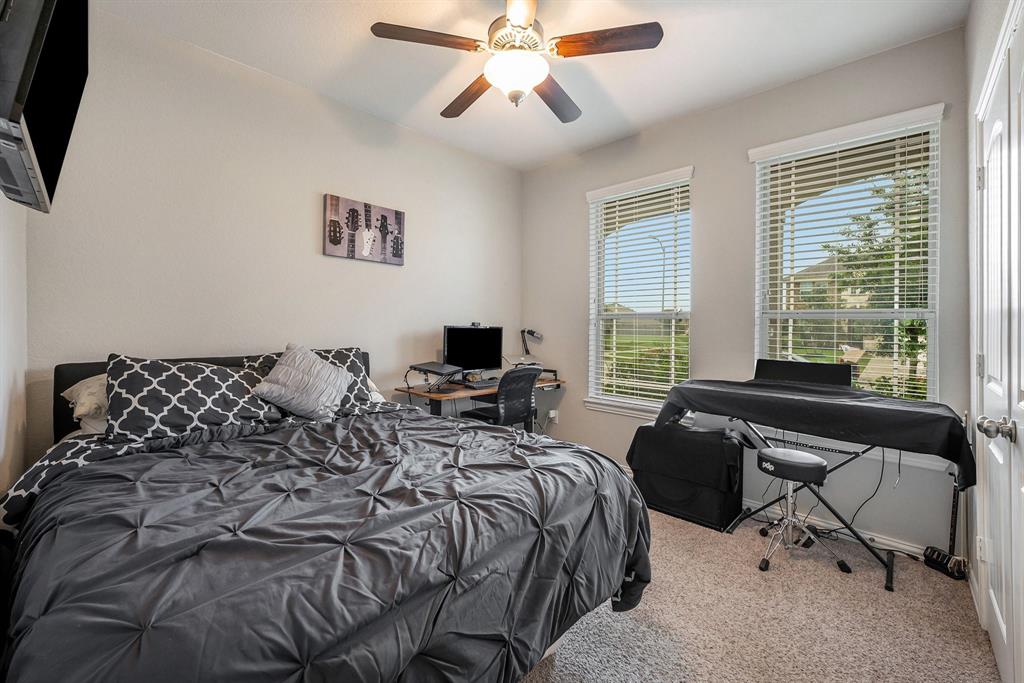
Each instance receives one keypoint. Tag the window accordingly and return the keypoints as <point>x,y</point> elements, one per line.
<point>847,246</point>
<point>640,291</point>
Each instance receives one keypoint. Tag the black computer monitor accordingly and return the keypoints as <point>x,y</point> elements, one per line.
<point>472,347</point>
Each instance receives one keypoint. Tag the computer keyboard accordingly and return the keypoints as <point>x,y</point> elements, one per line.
<point>483,384</point>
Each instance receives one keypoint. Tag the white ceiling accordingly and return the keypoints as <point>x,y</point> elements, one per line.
<point>713,52</point>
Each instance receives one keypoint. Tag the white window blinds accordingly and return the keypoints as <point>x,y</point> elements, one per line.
<point>640,289</point>
<point>847,247</point>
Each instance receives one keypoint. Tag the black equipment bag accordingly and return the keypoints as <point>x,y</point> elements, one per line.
<point>691,473</point>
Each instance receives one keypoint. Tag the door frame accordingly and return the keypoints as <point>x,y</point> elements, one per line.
<point>978,580</point>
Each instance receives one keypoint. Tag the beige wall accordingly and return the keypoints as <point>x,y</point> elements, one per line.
<point>12,340</point>
<point>983,23</point>
<point>188,221</point>
<point>715,142</point>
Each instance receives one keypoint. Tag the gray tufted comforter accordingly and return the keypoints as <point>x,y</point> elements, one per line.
<point>387,546</point>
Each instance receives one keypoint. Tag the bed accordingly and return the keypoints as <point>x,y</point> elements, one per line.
<point>387,544</point>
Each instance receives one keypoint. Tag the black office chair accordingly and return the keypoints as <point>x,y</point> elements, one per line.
<point>514,400</point>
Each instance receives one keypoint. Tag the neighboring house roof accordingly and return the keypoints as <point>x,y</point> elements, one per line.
<point>822,271</point>
<point>815,271</point>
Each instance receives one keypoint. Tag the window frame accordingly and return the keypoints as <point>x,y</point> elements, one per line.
<point>924,119</point>
<point>595,400</point>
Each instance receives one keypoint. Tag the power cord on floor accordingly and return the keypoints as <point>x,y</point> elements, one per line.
<point>767,520</point>
<point>836,534</point>
<point>817,502</point>
<point>763,494</point>
<point>881,475</point>
<point>543,426</point>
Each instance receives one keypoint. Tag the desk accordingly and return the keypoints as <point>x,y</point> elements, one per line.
<point>458,391</point>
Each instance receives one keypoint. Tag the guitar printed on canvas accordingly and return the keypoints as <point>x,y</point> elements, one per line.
<point>363,231</point>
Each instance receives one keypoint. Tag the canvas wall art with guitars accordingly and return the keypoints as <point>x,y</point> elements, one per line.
<point>358,230</point>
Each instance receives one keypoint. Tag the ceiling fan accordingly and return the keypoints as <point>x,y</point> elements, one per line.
<point>518,63</point>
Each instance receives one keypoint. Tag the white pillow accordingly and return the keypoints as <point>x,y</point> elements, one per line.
<point>88,397</point>
<point>304,384</point>
<point>375,395</point>
<point>93,425</point>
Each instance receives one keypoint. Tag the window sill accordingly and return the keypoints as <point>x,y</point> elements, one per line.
<point>637,409</point>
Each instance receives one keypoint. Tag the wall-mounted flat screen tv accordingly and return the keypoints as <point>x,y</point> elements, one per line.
<point>44,63</point>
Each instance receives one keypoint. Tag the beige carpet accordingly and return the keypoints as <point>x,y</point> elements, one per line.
<point>710,615</point>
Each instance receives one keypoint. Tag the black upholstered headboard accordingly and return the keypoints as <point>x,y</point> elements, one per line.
<point>66,375</point>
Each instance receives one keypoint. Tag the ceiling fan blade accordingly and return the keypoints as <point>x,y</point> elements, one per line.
<point>466,98</point>
<point>521,13</point>
<point>557,100</point>
<point>419,35</point>
<point>618,39</point>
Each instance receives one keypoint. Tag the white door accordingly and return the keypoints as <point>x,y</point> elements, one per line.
<point>999,139</point>
<point>1015,483</point>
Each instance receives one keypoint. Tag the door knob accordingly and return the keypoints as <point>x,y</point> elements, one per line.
<point>994,429</point>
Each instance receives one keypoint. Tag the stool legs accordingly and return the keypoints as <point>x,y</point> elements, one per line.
<point>785,534</point>
<point>773,544</point>
<point>791,517</point>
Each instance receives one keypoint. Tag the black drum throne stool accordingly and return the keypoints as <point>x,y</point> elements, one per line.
<point>794,467</point>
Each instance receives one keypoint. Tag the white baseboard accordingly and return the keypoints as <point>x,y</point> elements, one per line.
<point>972,582</point>
<point>876,538</point>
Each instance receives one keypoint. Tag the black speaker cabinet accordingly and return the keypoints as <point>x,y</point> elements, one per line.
<point>691,473</point>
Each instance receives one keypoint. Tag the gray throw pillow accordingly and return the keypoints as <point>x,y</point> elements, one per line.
<point>350,358</point>
<point>304,384</point>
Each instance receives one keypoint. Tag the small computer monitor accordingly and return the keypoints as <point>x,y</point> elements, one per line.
<point>472,347</point>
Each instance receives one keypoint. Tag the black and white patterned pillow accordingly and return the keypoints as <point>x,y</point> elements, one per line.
<point>350,358</point>
<point>155,398</point>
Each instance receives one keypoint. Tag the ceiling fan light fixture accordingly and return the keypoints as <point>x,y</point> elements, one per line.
<point>518,63</point>
<point>516,72</point>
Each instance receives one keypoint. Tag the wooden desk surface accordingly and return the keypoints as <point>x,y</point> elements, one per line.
<point>460,391</point>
